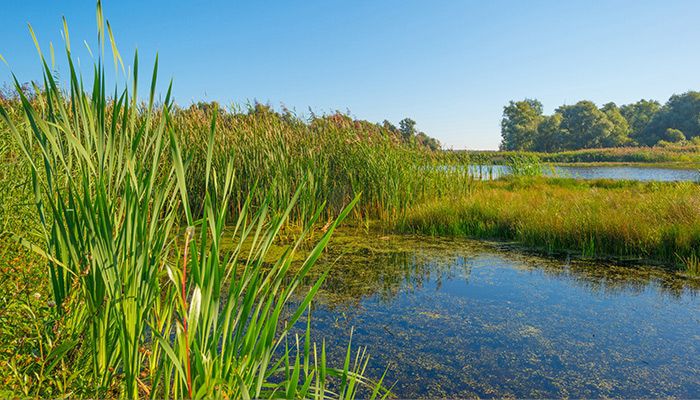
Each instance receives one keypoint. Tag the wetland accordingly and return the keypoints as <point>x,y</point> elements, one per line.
<point>463,318</point>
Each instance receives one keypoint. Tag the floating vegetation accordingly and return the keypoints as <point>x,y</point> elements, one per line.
<point>463,318</point>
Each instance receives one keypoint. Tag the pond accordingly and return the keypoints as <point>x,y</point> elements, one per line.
<point>599,172</point>
<point>462,318</point>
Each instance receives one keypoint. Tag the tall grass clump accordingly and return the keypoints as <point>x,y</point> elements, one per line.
<point>635,220</point>
<point>338,157</point>
<point>335,155</point>
<point>148,303</point>
<point>523,164</point>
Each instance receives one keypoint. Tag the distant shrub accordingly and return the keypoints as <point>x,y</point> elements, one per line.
<point>674,135</point>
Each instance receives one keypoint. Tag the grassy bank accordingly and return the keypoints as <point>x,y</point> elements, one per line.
<point>129,293</point>
<point>679,156</point>
<point>656,221</point>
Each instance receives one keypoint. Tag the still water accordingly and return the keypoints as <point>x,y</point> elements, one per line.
<point>461,318</point>
<point>599,172</point>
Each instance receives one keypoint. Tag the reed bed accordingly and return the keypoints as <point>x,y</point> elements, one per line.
<point>145,303</point>
<point>632,220</point>
<point>337,156</point>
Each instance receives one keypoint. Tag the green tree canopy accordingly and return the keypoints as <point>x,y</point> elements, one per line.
<point>674,135</point>
<point>682,112</point>
<point>549,135</point>
<point>407,127</point>
<point>519,125</point>
<point>619,135</point>
<point>638,116</point>
<point>585,126</point>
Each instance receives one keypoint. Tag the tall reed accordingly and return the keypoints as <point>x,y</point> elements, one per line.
<point>338,157</point>
<point>637,220</point>
<point>152,304</point>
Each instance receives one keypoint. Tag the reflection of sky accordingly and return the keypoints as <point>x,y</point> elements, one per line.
<point>582,172</point>
<point>465,320</point>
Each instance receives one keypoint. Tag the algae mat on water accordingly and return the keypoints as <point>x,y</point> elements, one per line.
<point>463,318</point>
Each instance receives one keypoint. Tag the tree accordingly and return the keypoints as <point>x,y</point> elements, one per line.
<point>407,127</point>
<point>549,135</point>
<point>427,141</point>
<point>519,125</point>
<point>619,135</point>
<point>389,126</point>
<point>638,116</point>
<point>674,136</point>
<point>584,126</point>
<point>681,111</point>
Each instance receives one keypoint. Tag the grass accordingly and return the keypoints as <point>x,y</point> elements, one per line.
<point>337,156</point>
<point>654,221</point>
<point>145,303</point>
<point>670,156</point>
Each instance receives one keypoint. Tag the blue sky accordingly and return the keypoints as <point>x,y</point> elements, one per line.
<point>450,65</point>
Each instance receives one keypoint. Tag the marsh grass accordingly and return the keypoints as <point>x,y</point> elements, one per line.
<point>634,220</point>
<point>335,155</point>
<point>524,165</point>
<point>147,302</point>
<point>681,156</point>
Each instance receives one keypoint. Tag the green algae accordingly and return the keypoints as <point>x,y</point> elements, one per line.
<point>454,317</point>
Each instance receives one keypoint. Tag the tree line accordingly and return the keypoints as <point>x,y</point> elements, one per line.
<point>584,125</point>
<point>408,133</point>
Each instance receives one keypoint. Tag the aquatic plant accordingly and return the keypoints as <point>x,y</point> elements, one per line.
<point>691,263</point>
<point>523,164</point>
<point>147,302</point>
<point>657,221</point>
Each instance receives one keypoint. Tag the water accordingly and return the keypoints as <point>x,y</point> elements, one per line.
<point>600,172</point>
<point>461,318</point>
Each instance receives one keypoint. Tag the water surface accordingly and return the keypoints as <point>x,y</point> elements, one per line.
<point>461,318</point>
<point>599,172</point>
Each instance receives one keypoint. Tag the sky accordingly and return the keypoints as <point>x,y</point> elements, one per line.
<point>449,65</point>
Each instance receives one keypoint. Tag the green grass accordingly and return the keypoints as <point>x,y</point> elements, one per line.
<point>652,221</point>
<point>337,156</point>
<point>679,156</point>
<point>145,303</point>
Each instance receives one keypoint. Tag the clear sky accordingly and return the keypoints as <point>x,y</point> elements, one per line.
<point>449,65</point>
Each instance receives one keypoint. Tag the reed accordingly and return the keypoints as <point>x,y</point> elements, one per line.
<point>148,303</point>
<point>524,165</point>
<point>338,157</point>
<point>632,220</point>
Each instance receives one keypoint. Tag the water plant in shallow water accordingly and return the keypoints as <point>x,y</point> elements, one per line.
<point>152,306</point>
<point>523,164</point>
<point>599,218</point>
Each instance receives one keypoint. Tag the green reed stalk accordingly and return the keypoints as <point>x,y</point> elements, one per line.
<point>154,318</point>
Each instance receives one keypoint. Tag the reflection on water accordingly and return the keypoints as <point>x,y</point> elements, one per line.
<point>598,172</point>
<point>460,318</point>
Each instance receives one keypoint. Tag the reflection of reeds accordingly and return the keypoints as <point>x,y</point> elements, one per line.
<point>408,263</point>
